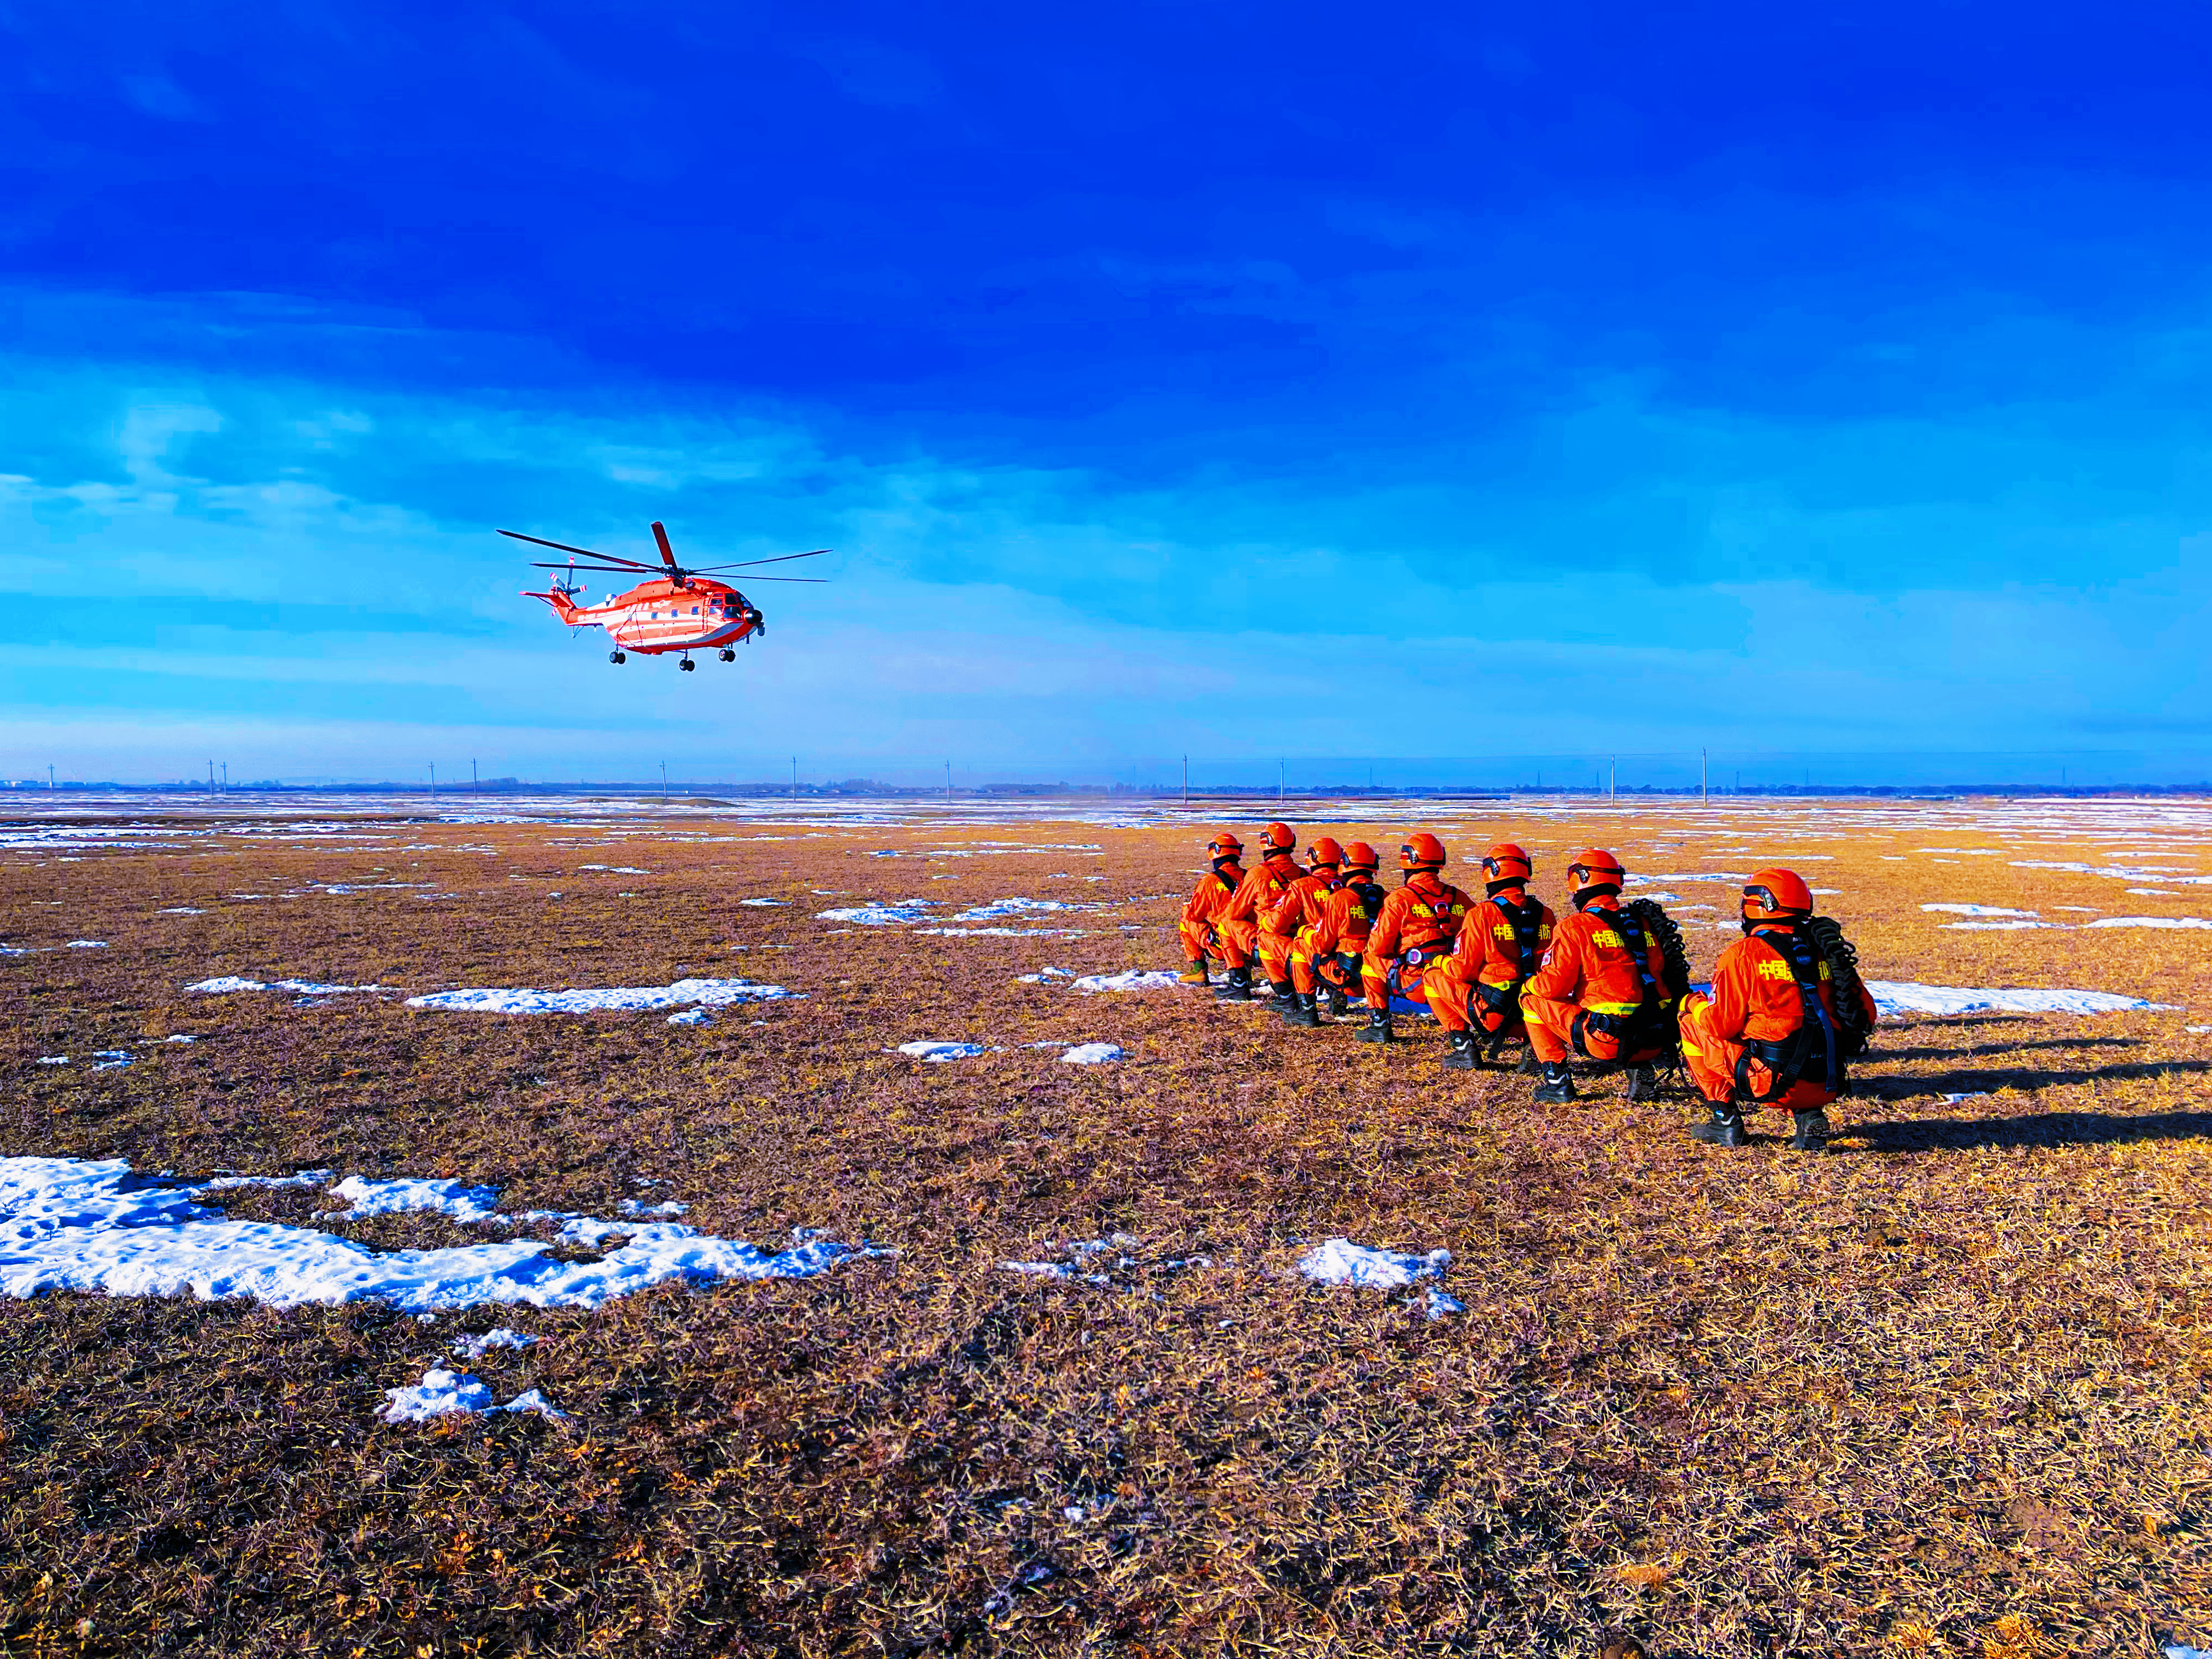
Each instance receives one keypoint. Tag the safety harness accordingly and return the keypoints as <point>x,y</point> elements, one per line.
<point>1527,921</point>
<point>1787,1059</point>
<point>1650,1025</point>
<point>1368,896</point>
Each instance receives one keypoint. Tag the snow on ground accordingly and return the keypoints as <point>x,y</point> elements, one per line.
<point>87,944</point>
<point>475,1348</point>
<point>1013,907</point>
<point>2150,921</point>
<point>762,902</point>
<point>1340,1261</point>
<point>1093,1053</point>
<point>706,993</point>
<point>442,1393</point>
<point>307,987</point>
<point>1005,933</point>
<point>941,1051</point>
<point>1135,979</point>
<point>876,916</point>
<point>1046,975</point>
<point>1977,910</point>
<point>78,1225</point>
<point>1996,926</point>
<point>453,1199</point>
<point>180,910</point>
<point>692,1017</point>
<point>1893,997</point>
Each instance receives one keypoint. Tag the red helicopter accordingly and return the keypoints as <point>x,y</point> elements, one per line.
<point>674,612</point>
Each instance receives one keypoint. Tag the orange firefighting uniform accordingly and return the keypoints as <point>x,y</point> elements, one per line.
<point>1414,934</point>
<point>1490,955</point>
<point>1202,910</point>
<point>1589,971</point>
<point>1281,923</point>
<point>1262,889</point>
<point>1755,999</point>
<point>1340,930</point>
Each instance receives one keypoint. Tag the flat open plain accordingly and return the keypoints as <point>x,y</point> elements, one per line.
<point>1941,1391</point>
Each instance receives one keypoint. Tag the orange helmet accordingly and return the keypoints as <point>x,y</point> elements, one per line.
<point>1360,856</point>
<point>1777,895</point>
<point>1421,852</point>
<point>1324,854</point>
<point>1506,862</point>
<point>1593,868</point>
<point>1224,846</point>
<point>1276,838</point>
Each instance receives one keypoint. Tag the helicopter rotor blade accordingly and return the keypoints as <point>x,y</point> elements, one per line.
<point>667,553</point>
<point>569,564</point>
<point>613,558</point>
<point>746,564</point>
<point>818,581</point>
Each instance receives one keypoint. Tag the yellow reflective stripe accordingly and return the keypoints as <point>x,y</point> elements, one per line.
<point>1612,1007</point>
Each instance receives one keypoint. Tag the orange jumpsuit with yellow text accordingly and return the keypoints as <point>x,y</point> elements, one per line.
<point>1262,889</point>
<point>1414,934</point>
<point>1340,930</point>
<point>1477,985</point>
<point>1202,911</point>
<point>1281,924</point>
<point>1588,979</point>
<point>1754,1009</point>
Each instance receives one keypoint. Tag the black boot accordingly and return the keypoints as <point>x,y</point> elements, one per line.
<point>1726,1128</point>
<point>1530,1065</point>
<point>1812,1134</point>
<point>1378,1029</point>
<point>1558,1087</point>
<point>1338,1004</point>
<point>1643,1083</point>
<point>1465,1054</point>
<point>1302,1011</point>
<point>1239,987</point>
<point>1285,999</point>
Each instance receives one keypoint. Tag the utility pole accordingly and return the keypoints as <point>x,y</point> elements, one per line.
<point>1704,795</point>
<point>49,774</point>
<point>1612,779</point>
<point>794,777</point>
<point>434,777</point>
<point>226,777</point>
<point>475,785</point>
<point>948,783</point>
<point>664,777</point>
<point>1278,783</point>
<point>1186,780</point>
<point>210,777</point>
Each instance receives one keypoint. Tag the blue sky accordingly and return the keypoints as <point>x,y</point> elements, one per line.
<point>1239,380</point>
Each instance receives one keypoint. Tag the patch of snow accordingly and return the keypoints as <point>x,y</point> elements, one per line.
<point>475,1348</point>
<point>1996,926</point>
<point>533,1399</point>
<point>1340,1261</point>
<point>1011,907</point>
<point>53,1060</point>
<point>1441,1304</point>
<point>180,910</point>
<point>1977,910</point>
<point>1893,997</point>
<point>304,988</point>
<point>87,944</point>
<point>874,915</point>
<point>1093,1053</point>
<point>615,869</point>
<point>1135,979</point>
<point>2196,1031</point>
<point>227,1182</point>
<point>940,1051</point>
<point>707,993</point>
<point>110,1059</point>
<point>630,1207</point>
<point>91,1225</point>
<point>442,1393</point>
<point>2150,921</point>
<point>1710,875</point>
<point>1045,975</point>
<point>2143,892</point>
<point>759,903</point>
<point>692,1017</point>
<point>453,1199</point>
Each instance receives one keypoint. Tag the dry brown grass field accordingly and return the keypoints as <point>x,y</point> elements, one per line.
<point>1941,1391</point>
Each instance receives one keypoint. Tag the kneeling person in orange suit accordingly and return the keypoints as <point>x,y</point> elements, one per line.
<point>1412,935</point>
<point>1202,910</point>
<point>1282,922</point>
<point>1787,1010</point>
<point>1475,992</point>
<point>1262,889</point>
<point>1328,951</point>
<point>1603,988</point>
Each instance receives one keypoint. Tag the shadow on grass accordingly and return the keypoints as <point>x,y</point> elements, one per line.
<point>2037,1129</point>
<point>1988,1080</point>
<point>1878,1053</point>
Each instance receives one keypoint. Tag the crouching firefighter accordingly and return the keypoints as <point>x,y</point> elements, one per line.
<point>1787,1011</point>
<point>1608,987</point>
<point>1285,922</point>
<point>1203,909</point>
<point>1263,887</point>
<point>1327,954</point>
<point>1475,992</point>
<point>1412,935</point>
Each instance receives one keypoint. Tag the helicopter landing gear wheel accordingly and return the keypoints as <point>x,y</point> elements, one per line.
<point>616,657</point>
<point>687,665</point>
<point>728,655</point>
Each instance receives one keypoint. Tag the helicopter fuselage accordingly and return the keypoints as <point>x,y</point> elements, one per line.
<point>663,615</point>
